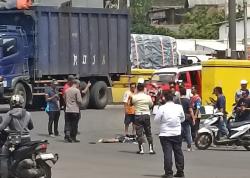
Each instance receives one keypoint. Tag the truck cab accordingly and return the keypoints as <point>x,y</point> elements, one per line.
<point>187,75</point>
<point>13,59</point>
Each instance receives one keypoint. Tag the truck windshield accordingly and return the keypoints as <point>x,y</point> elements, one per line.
<point>164,77</point>
<point>9,46</point>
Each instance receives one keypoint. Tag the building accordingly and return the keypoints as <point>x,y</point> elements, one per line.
<point>224,30</point>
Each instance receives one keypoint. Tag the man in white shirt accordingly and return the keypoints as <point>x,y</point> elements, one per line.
<point>170,116</point>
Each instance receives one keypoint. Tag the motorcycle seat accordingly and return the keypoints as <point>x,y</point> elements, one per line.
<point>238,124</point>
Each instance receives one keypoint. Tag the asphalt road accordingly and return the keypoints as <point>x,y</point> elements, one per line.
<point>118,160</point>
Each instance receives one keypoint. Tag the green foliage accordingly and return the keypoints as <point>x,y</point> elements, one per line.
<point>139,10</point>
<point>201,24</point>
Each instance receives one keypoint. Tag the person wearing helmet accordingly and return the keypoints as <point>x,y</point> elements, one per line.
<point>19,120</point>
<point>238,94</point>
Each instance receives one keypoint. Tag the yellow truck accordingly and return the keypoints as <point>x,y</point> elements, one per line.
<point>226,74</point>
<point>119,87</point>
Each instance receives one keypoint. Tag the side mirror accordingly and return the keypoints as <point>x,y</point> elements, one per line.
<point>1,48</point>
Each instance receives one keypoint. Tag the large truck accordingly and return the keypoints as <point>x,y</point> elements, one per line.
<point>46,43</point>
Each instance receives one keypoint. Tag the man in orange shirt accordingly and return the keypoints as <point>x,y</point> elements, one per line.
<point>129,110</point>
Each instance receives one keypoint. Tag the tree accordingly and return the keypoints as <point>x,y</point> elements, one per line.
<point>201,22</point>
<point>140,10</point>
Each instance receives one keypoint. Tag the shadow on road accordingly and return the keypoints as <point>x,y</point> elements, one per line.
<point>152,175</point>
<point>225,149</point>
<point>130,152</point>
<point>4,110</point>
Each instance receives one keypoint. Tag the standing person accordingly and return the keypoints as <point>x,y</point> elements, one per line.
<point>170,116</point>
<point>196,105</point>
<point>220,104</point>
<point>53,107</point>
<point>73,101</point>
<point>129,110</point>
<point>69,83</point>
<point>243,107</point>
<point>142,103</point>
<point>238,93</point>
<point>172,86</point>
<point>189,118</point>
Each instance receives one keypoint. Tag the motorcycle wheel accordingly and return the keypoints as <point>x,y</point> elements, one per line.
<point>247,148</point>
<point>203,141</point>
<point>45,167</point>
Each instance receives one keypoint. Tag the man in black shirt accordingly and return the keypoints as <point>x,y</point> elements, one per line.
<point>243,107</point>
<point>220,104</point>
<point>189,117</point>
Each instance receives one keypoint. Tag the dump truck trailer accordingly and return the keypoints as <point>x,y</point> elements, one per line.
<point>46,43</point>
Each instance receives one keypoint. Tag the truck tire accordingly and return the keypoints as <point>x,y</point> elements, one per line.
<point>85,98</point>
<point>99,95</point>
<point>20,90</point>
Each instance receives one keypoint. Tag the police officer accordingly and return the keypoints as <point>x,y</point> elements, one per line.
<point>142,103</point>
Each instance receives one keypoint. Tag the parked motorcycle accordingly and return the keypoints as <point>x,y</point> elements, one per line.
<point>26,159</point>
<point>239,133</point>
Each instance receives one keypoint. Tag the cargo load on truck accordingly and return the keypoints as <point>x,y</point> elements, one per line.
<point>153,51</point>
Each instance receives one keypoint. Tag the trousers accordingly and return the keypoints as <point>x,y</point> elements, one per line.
<point>143,125</point>
<point>169,145</point>
<point>71,124</point>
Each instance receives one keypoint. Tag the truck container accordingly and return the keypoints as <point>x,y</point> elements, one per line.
<point>46,43</point>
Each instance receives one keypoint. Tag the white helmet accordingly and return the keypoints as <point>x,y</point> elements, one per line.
<point>16,101</point>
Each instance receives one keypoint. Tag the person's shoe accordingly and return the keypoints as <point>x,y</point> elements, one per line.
<point>179,175</point>
<point>223,138</point>
<point>189,149</point>
<point>151,150</point>
<point>140,150</point>
<point>68,140</point>
<point>75,140</point>
<point>51,135</point>
<point>167,176</point>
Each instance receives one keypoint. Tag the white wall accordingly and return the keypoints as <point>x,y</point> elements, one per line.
<point>213,2</point>
<point>224,29</point>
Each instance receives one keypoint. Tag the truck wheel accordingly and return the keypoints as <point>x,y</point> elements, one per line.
<point>99,95</point>
<point>85,98</point>
<point>20,90</point>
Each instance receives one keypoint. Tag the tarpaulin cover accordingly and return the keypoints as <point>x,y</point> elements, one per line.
<point>153,51</point>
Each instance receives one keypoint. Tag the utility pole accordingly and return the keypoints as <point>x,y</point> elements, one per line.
<point>232,28</point>
<point>245,28</point>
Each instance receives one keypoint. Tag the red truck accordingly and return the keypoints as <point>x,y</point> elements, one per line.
<point>187,75</point>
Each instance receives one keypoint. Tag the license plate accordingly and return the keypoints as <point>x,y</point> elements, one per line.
<point>155,109</point>
<point>4,83</point>
<point>47,156</point>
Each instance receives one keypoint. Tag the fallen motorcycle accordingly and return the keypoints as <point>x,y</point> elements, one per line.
<point>26,160</point>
